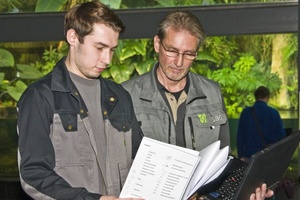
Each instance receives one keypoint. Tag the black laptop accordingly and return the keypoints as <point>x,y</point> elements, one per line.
<point>240,179</point>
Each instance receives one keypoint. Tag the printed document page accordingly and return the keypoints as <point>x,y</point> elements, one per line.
<point>160,171</point>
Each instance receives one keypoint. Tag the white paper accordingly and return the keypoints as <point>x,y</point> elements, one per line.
<point>159,171</point>
<point>218,162</point>
<point>207,156</point>
<point>168,172</point>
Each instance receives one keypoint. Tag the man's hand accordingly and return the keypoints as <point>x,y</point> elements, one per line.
<point>261,193</point>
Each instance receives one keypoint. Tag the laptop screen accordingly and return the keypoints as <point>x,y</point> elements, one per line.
<point>268,166</point>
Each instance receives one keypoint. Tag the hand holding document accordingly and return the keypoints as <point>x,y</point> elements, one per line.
<point>165,171</point>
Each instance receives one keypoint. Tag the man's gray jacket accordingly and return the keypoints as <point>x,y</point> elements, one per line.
<point>59,156</point>
<point>205,118</point>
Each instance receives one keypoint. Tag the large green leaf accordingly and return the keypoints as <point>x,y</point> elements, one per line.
<point>225,77</point>
<point>140,46</point>
<point>121,73</point>
<point>16,91</point>
<point>127,53</point>
<point>6,58</point>
<point>49,5</point>
<point>115,4</point>
<point>144,66</point>
<point>132,48</point>
<point>28,72</point>
<point>205,56</point>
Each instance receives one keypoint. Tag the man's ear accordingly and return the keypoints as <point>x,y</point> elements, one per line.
<point>156,44</point>
<point>71,36</point>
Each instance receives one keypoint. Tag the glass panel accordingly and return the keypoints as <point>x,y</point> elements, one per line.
<point>21,64</point>
<point>238,63</point>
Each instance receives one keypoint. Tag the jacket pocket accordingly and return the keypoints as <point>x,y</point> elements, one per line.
<point>74,153</point>
<point>205,127</point>
<point>72,147</point>
<point>154,123</point>
<point>210,119</point>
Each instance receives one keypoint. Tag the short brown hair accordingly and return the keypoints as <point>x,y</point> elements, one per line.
<point>82,17</point>
<point>261,92</point>
<point>182,20</point>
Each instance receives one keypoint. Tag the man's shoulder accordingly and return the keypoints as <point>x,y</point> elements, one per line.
<point>246,111</point>
<point>138,81</point>
<point>198,77</point>
<point>41,87</point>
<point>272,109</point>
<point>203,83</point>
<point>40,84</point>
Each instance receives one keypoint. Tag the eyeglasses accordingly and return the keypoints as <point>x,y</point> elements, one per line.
<point>186,55</point>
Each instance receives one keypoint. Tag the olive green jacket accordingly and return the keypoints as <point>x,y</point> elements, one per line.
<point>205,117</point>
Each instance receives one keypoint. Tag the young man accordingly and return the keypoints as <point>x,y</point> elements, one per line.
<point>171,103</point>
<point>259,126</point>
<point>77,131</point>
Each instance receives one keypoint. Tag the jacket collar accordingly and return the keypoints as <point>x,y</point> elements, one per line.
<point>61,80</point>
<point>149,86</point>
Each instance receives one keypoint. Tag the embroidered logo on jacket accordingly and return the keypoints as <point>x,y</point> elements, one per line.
<point>202,118</point>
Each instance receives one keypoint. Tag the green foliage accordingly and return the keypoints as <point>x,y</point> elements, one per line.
<point>49,5</point>
<point>131,58</point>
<point>28,72</point>
<point>14,6</point>
<point>14,81</point>
<point>290,53</point>
<point>238,73</point>
<point>164,3</point>
<point>9,78</point>
<point>51,57</point>
<point>6,58</point>
<point>15,87</point>
<point>16,91</point>
<point>115,4</point>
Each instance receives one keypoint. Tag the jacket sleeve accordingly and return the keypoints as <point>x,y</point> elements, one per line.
<point>36,156</point>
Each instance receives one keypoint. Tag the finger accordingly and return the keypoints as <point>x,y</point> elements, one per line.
<point>258,193</point>
<point>252,197</point>
<point>263,190</point>
<point>270,193</point>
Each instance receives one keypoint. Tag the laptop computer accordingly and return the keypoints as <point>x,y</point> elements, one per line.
<point>239,180</point>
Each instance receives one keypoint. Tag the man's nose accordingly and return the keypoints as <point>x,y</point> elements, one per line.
<point>106,56</point>
<point>179,60</point>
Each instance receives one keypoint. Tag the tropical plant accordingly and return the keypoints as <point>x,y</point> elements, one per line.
<point>131,58</point>
<point>238,73</point>
<point>14,78</point>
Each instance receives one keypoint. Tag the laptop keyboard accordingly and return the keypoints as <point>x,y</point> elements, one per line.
<point>229,186</point>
